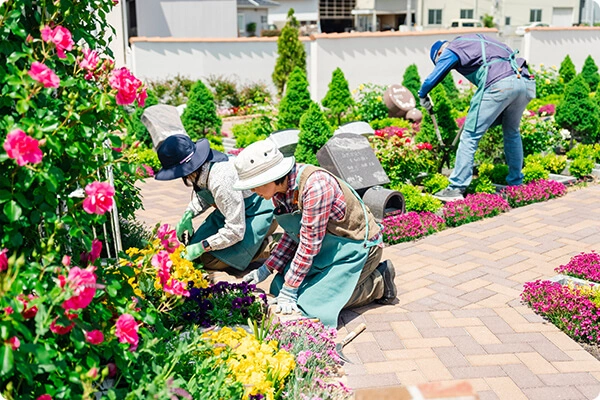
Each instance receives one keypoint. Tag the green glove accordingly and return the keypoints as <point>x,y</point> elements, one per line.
<point>193,251</point>
<point>185,225</point>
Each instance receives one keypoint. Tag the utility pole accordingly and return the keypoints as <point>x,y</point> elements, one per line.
<point>408,19</point>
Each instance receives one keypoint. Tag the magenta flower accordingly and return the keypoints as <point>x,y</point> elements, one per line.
<point>91,257</point>
<point>61,37</point>
<point>14,342</point>
<point>168,238</point>
<point>23,148</point>
<point>3,260</point>
<point>127,87</point>
<point>127,330</point>
<point>83,284</point>
<point>410,226</point>
<point>90,59</point>
<point>44,75</point>
<point>60,329</point>
<point>473,208</point>
<point>584,265</point>
<point>547,109</point>
<point>44,397</point>
<point>162,263</point>
<point>100,198</point>
<point>533,192</point>
<point>94,337</point>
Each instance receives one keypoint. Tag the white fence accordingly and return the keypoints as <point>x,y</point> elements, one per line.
<point>370,57</point>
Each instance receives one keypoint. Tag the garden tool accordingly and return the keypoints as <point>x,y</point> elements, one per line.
<point>436,127</point>
<point>350,337</point>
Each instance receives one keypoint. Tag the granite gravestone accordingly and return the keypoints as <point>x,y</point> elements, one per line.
<point>286,141</point>
<point>357,127</point>
<point>399,100</point>
<point>162,121</point>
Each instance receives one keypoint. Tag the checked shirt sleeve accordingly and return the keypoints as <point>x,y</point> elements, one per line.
<point>282,253</point>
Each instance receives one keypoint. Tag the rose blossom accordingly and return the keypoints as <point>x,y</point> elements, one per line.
<point>44,75</point>
<point>14,342</point>
<point>127,330</point>
<point>83,284</point>
<point>94,254</point>
<point>127,87</point>
<point>44,397</point>
<point>61,37</point>
<point>23,148</point>
<point>28,312</point>
<point>3,260</point>
<point>60,329</point>
<point>94,337</point>
<point>100,198</point>
<point>90,59</point>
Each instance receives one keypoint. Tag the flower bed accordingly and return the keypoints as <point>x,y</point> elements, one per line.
<point>410,226</point>
<point>583,266</point>
<point>473,208</point>
<point>533,192</point>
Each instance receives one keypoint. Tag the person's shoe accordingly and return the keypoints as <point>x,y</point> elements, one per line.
<point>387,271</point>
<point>449,194</point>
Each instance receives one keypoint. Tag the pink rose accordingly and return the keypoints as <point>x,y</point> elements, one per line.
<point>3,260</point>
<point>94,337</point>
<point>44,75</point>
<point>8,310</point>
<point>14,342</point>
<point>112,369</point>
<point>100,198</point>
<point>127,330</point>
<point>142,96</point>
<point>176,288</point>
<point>61,37</point>
<point>127,86</point>
<point>94,254</point>
<point>23,148</point>
<point>60,329</point>
<point>28,312</point>
<point>44,397</point>
<point>83,284</point>
<point>90,59</point>
<point>66,260</point>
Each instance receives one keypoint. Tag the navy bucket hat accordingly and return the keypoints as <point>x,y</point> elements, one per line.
<point>179,156</point>
<point>433,54</point>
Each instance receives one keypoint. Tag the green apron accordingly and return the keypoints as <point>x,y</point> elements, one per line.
<point>479,79</point>
<point>259,216</point>
<point>334,273</point>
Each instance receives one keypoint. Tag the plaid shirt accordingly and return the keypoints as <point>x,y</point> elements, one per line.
<point>322,200</point>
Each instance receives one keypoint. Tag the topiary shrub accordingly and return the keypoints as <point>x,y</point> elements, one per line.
<point>435,183</point>
<point>567,70</point>
<point>551,162</point>
<point>533,172</point>
<point>290,53</point>
<point>451,89</point>
<point>589,72</point>
<point>411,80</point>
<point>481,184</point>
<point>338,98</point>
<point>387,122</point>
<point>577,112</point>
<point>581,167</point>
<point>415,200</point>
<point>200,115</point>
<point>369,103</point>
<point>295,102</point>
<point>315,131</point>
<point>225,90</point>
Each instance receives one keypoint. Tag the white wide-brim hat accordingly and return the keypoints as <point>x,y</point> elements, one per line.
<point>259,164</point>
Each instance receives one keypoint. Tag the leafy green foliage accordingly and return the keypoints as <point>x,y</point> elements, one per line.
<point>411,80</point>
<point>481,184</point>
<point>402,159</point>
<point>491,147</point>
<point>577,112</point>
<point>295,102</point>
<point>435,183</point>
<point>172,91</point>
<point>252,131</point>
<point>451,89</point>
<point>225,90</point>
<point>290,53</point>
<point>567,70</point>
<point>415,200</point>
<point>551,162</point>
<point>589,72</point>
<point>315,131</point>
<point>534,172</point>
<point>200,115</point>
<point>369,103</point>
<point>581,167</point>
<point>547,82</point>
<point>387,122</point>
<point>591,151</point>
<point>538,134</point>
<point>338,98</point>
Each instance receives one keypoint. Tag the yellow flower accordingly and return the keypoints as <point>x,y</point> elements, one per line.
<point>379,98</point>
<point>547,81</point>
<point>361,87</point>
<point>541,65</point>
<point>553,67</point>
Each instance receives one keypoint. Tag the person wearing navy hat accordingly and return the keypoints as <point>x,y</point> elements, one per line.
<point>237,231</point>
<point>504,88</point>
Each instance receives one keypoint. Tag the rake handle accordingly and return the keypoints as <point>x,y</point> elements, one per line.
<point>353,334</point>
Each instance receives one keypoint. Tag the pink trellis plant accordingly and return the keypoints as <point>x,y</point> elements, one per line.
<point>100,198</point>
<point>82,283</point>
<point>128,87</point>
<point>61,37</point>
<point>23,148</point>
<point>94,337</point>
<point>127,330</point>
<point>44,75</point>
<point>89,61</point>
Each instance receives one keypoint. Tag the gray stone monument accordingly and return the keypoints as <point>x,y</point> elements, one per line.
<point>286,141</point>
<point>399,100</point>
<point>357,127</point>
<point>162,121</point>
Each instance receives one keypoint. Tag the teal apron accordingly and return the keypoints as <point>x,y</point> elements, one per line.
<point>259,216</point>
<point>334,273</point>
<point>479,79</point>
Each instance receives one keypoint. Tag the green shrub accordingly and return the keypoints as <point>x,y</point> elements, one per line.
<point>551,162</point>
<point>450,86</point>
<point>567,70</point>
<point>200,115</point>
<point>225,90</point>
<point>547,82</point>
<point>591,151</point>
<point>369,103</point>
<point>435,183</point>
<point>481,184</point>
<point>255,94</point>
<point>415,200</point>
<point>412,81</point>
<point>534,172</point>
<point>499,174</point>
<point>577,112</point>
<point>290,53</point>
<point>538,134</point>
<point>136,130</point>
<point>252,131</point>
<point>315,131</point>
<point>589,72</point>
<point>581,167</point>
<point>172,91</point>
<point>535,104</point>
<point>338,98</point>
<point>377,124</point>
<point>295,102</point>
<point>491,147</point>
<point>144,155</point>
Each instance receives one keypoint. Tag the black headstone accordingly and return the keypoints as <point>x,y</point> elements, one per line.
<point>350,157</point>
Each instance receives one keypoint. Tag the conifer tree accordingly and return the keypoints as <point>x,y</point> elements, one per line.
<point>295,102</point>
<point>589,72</point>
<point>450,86</point>
<point>200,117</point>
<point>338,98</point>
<point>412,81</point>
<point>577,112</point>
<point>290,53</point>
<point>315,131</point>
<point>567,70</point>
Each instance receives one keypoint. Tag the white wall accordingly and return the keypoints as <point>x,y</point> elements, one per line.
<point>551,45</point>
<point>118,45</point>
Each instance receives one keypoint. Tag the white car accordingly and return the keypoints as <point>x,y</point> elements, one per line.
<point>521,29</point>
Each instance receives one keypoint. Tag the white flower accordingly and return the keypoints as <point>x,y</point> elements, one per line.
<point>565,134</point>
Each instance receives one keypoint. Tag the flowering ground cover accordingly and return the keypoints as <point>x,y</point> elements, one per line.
<point>473,208</point>
<point>410,226</point>
<point>533,192</point>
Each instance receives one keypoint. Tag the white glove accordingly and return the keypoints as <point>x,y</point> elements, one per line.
<point>257,276</point>
<point>287,301</point>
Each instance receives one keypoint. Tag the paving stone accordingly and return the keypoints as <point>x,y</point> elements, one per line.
<point>370,352</point>
<point>373,381</point>
<point>522,376</point>
<point>550,351</point>
<point>451,357</point>
<point>572,379</point>
<point>388,340</point>
<point>497,325</point>
<point>546,393</point>
<point>486,371</point>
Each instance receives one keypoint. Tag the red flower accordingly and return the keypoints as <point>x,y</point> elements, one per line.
<point>61,37</point>
<point>127,87</point>
<point>94,254</point>
<point>100,198</point>
<point>127,330</point>
<point>23,148</point>
<point>94,337</point>
<point>60,329</point>
<point>83,284</point>
<point>44,397</point>
<point>3,260</point>
<point>30,312</point>
<point>44,75</point>
<point>14,342</point>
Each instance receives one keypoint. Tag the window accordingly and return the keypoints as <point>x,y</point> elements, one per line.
<point>466,14</point>
<point>507,21</point>
<point>241,19</point>
<point>263,19</point>
<point>535,15</point>
<point>435,17</point>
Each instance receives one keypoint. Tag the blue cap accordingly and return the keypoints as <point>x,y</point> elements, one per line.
<point>435,48</point>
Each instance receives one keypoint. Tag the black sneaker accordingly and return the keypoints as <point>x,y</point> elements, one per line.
<point>387,271</point>
<point>449,194</point>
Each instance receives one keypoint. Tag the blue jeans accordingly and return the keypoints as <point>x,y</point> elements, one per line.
<point>502,103</point>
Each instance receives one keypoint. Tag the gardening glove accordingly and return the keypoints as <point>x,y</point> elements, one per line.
<point>286,301</point>
<point>257,276</point>
<point>426,103</point>
<point>193,251</point>
<point>185,225</point>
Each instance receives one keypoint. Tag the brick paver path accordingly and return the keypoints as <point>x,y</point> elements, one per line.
<point>458,314</point>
